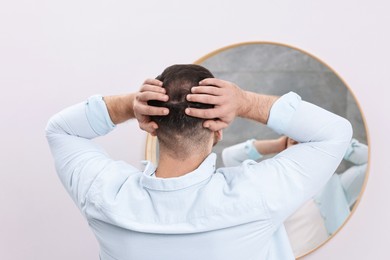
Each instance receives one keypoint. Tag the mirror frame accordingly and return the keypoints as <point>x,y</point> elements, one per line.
<point>151,141</point>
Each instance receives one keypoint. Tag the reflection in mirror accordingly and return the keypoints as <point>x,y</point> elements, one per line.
<point>276,69</point>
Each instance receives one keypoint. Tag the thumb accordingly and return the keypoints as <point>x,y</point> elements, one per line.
<point>215,125</point>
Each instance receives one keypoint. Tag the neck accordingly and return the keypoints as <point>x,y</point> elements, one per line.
<point>170,166</point>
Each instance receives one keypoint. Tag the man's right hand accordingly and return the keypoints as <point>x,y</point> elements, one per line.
<point>151,90</point>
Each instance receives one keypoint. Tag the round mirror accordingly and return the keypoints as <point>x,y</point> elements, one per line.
<point>275,69</point>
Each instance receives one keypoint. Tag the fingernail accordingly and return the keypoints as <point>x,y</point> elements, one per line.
<point>166,111</point>
<point>189,97</point>
<point>187,111</point>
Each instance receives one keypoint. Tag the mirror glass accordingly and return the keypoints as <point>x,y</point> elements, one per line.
<point>275,69</point>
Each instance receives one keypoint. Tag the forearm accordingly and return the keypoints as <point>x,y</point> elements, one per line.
<point>120,107</point>
<point>252,149</point>
<point>256,106</point>
<point>323,139</point>
<point>272,146</point>
<point>87,119</point>
<point>305,122</point>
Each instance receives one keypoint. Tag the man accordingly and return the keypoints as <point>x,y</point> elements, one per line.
<point>185,209</point>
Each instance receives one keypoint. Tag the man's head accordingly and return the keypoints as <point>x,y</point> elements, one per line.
<point>178,132</point>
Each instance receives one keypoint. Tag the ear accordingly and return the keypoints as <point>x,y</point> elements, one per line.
<point>218,136</point>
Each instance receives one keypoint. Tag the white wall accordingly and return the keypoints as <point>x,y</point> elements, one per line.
<point>55,53</point>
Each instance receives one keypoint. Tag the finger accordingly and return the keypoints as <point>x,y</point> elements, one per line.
<point>211,90</point>
<point>153,88</point>
<point>155,82</point>
<point>146,96</point>
<point>215,125</point>
<point>205,99</point>
<point>203,113</point>
<point>213,81</point>
<point>147,110</point>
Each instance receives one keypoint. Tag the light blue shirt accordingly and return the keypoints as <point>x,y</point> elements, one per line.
<point>228,213</point>
<point>339,194</point>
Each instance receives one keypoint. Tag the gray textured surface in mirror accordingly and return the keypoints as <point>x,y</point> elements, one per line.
<point>277,69</point>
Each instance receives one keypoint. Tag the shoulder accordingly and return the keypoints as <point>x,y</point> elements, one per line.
<point>243,178</point>
<point>115,178</point>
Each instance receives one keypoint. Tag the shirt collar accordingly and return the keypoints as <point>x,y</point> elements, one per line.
<point>203,172</point>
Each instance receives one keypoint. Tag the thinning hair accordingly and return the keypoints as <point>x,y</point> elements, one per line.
<point>179,133</point>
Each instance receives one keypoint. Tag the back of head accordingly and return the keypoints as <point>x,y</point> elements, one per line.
<point>177,131</point>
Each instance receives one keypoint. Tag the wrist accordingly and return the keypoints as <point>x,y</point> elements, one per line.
<point>120,107</point>
<point>246,104</point>
<point>256,106</point>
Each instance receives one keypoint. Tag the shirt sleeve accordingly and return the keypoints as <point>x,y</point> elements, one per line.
<point>295,175</point>
<point>78,159</point>
<point>357,153</point>
<point>236,154</point>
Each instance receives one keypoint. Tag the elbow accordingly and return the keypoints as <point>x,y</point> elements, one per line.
<point>52,126</point>
<point>49,128</point>
<point>345,130</point>
<point>341,137</point>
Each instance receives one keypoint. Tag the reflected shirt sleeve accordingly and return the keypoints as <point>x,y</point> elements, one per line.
<point>237,154</point>
<point>352,180</point>
<point>357,153</point>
